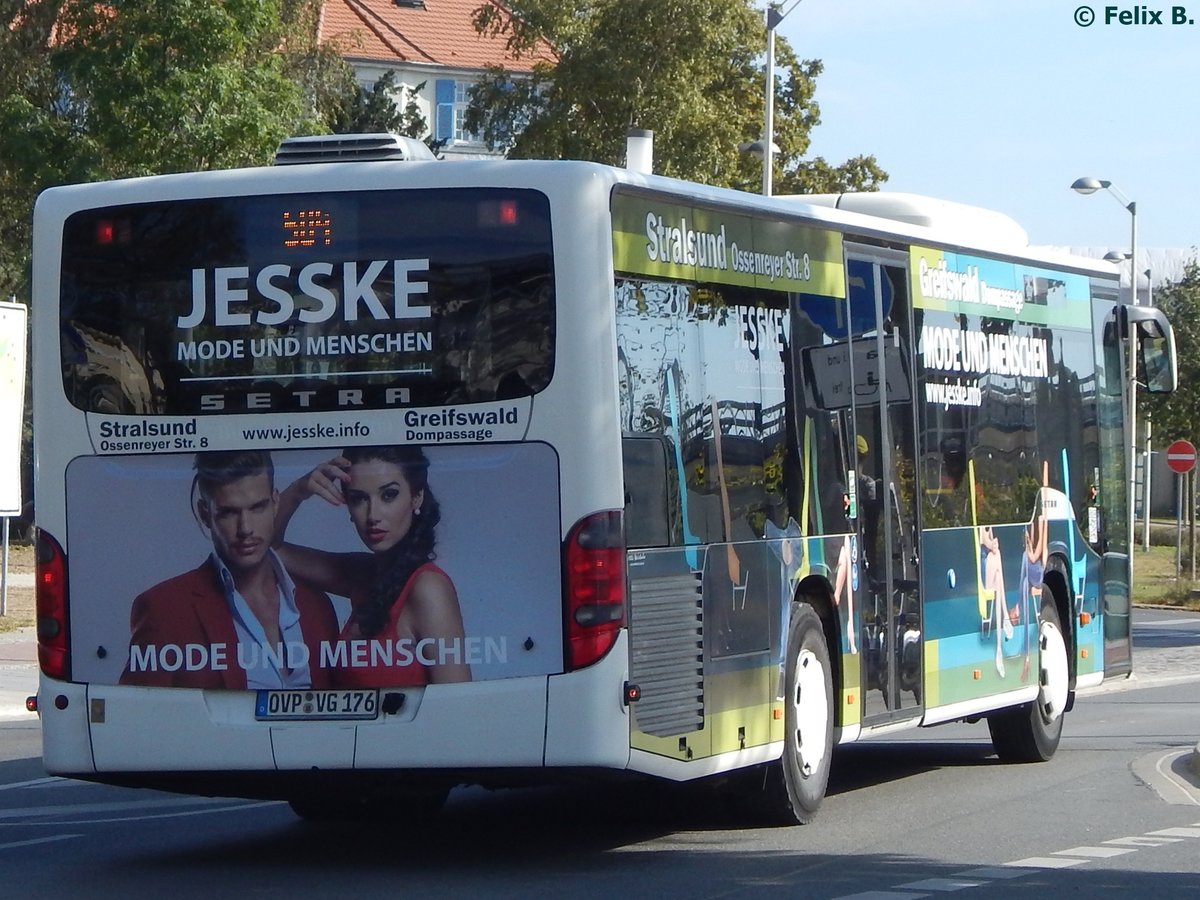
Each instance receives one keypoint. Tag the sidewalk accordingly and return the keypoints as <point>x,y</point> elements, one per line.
<point>18,673</point>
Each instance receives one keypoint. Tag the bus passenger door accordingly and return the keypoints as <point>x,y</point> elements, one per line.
<point>890,642</point>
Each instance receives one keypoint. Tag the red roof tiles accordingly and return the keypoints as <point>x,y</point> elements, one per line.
<point>440,33</point>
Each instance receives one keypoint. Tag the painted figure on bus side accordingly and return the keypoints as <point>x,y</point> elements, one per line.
<point>398,594</point>
<point>993,590</point>
<point>240,619</point>
<point>1033,568</point>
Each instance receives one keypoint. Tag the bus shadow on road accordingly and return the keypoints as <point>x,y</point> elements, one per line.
<point>865,765</point>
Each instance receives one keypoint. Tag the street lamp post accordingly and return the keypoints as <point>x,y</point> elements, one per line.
<point>1090,186</point>
<point>775,14</point>
<point>1147,455</point>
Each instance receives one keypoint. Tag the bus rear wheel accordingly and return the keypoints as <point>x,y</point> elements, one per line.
<point>1031,733</point>
<point>790,790</point>
<point>390,807</point>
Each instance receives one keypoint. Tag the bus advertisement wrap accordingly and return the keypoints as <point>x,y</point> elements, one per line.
<point>661,239</point>
<point>975,285</point>
<point>388,589</point>
<point>474,423</point>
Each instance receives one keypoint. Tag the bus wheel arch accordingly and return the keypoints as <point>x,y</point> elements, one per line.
<point>817,593</point>
<point>1057,584</point>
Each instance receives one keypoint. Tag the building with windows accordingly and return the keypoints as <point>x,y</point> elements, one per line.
<point>425,42</point>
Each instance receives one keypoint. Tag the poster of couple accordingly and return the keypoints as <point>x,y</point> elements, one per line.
<point>348,567</point>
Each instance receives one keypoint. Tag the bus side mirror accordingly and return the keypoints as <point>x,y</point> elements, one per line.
<point>1158,364</point>
<point>1155,348</point>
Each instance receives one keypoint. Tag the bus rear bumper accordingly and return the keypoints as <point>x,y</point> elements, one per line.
<point>66,744</point>
<point>575,720</point>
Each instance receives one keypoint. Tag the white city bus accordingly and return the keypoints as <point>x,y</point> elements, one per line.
<point>721,481</point>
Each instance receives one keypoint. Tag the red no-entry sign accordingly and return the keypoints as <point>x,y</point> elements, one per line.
<point>1181,457</point>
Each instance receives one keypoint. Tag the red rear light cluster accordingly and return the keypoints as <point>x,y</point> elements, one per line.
<point>594,594</point>
<point>54,646</point>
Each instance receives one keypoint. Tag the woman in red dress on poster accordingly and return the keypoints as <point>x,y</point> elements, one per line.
<point>401,602</point>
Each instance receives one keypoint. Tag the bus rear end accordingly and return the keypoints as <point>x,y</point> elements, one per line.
<point>207,347</point>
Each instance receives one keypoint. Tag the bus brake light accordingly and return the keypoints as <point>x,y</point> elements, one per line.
<point>54,651</point>
<point>594,597</point>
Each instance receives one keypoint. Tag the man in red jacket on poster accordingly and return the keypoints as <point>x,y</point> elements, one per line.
<point>239,620</point>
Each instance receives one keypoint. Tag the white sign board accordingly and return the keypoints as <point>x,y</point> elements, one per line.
<point>14,327</point>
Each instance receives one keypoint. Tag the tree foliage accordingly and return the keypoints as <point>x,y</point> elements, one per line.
<point>691,70</point>
<point>139,87</point>
<point>1177,415</point>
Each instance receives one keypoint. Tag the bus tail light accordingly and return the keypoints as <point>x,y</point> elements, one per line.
<point>594,597</point>
<point>54,650</point>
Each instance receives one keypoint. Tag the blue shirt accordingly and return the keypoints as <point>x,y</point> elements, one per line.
<point>285,665</point>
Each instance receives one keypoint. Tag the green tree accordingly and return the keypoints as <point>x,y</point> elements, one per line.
<point>139,87</point>
<point>1177,415</point>
<point>327,82</point>
<point>178,85</point>
<point>692,70</point>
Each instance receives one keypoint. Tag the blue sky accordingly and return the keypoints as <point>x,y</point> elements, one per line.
<point>1004,103</point>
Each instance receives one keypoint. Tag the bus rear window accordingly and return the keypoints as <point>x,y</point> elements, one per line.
<point>308,302</point>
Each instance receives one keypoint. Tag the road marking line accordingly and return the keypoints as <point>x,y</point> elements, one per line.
<point>1096,852</point>
<point>80,809</point>
<point>940,884</point>
<point>1046,862</point>
<point>36,782</point>
<point>1155,623</point>
<point>41,840</point>
<point>174,815</point>
<point>1176,832</point>
<point>1144,841</point>
<point>995,872</point>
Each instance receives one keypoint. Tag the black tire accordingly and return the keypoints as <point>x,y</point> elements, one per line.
<point>1031,733</point>
<point>789,791</point>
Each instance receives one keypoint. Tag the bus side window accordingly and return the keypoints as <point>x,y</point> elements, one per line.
<point>647,491</point>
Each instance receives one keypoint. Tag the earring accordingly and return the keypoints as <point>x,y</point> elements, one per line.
<point>417,511</point>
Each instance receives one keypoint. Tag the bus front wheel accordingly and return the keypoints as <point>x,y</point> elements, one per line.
<point>790,790</point>
<point>1031,733</point>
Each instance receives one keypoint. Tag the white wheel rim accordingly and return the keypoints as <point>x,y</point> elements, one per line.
<point>1052,695</point>
<point>810,712</point>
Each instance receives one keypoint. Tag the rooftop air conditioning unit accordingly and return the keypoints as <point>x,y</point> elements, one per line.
<point>349,147</point>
